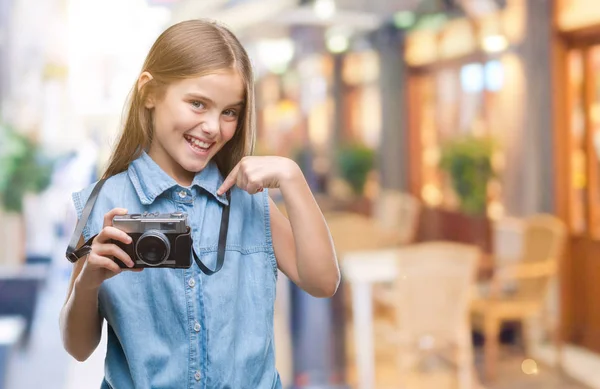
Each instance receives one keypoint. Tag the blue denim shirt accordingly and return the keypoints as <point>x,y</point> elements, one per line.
<point>179,328</point>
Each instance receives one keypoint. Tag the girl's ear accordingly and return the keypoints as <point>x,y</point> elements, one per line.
<point>142,80</point>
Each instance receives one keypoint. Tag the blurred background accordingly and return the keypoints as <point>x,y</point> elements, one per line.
<point>453,146</point>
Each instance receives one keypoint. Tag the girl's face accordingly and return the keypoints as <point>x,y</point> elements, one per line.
<point>193,120</point>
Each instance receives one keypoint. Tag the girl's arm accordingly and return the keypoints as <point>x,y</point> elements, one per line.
<point>303,246</point>
<point>80,323</point>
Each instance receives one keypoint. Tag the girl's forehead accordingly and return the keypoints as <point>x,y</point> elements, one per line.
<point>223,84</point>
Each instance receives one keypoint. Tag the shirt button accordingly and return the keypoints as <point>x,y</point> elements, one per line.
<point>182,194</point>
<point>191,282</point>
<point>197,375</point>
<point>197,327</point>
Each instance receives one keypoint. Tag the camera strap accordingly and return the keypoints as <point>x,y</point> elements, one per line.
<point>73,253</point>
<point>222,241</point>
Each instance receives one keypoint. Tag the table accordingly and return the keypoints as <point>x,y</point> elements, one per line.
<point>362,269</point>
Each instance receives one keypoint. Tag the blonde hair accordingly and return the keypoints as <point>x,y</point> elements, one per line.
<point>191,48</point>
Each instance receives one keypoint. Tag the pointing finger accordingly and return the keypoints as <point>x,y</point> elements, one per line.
<point>229,181</point>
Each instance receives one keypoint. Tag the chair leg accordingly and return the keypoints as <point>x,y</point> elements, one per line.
<point>405,360</point>
<point>558,347</point>
<point>491,346</point>
<point>530,329</point>
<point>527,334</point>
<point>466,365</point>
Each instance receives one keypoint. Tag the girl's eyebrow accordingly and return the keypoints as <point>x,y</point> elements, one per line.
<point>238,104</point>
<point>202,97</point>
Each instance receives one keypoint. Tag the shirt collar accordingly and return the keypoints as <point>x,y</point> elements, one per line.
<point>150,181</point>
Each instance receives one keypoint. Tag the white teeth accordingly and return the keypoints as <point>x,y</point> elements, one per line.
<point>198,142</point>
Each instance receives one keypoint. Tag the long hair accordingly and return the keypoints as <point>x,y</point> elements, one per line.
<point>192,48</point>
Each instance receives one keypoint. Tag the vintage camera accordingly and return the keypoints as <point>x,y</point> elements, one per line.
<point>158,240</point>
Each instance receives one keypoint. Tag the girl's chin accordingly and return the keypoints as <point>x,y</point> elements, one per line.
<point>194,166</point>
<point>194,160</point>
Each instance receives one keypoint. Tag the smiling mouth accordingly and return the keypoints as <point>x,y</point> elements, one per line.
<point>197,144</point>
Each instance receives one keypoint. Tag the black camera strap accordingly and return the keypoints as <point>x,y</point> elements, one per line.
<point>73,253</point>
<point>222,242</point>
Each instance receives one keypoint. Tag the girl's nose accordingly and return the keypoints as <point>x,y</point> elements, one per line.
<point>210,126</point>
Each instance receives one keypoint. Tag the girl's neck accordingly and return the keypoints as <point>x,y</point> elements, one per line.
<point>171,167</point>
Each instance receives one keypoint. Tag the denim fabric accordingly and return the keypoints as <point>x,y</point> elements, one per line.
<point>178,328</point>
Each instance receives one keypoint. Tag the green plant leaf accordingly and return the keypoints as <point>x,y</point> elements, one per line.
<point>24,168</point>
<point>467,161</point>
<point>355,161</point>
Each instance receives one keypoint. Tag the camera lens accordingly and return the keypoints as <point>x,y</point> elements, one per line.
<point>153,248</point>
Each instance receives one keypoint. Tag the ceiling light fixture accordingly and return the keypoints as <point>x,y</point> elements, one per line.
<point>324,9</point>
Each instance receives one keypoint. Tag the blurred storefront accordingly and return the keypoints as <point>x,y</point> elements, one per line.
<point>295,110</point>
<point>323,101</point>
<point>577,139</point>
<point>525,75</point>
<point>361,98</point>
<point>466,80</point>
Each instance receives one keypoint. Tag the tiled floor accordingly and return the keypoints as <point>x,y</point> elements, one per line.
<point>43,363</point>
<point>510,375</point>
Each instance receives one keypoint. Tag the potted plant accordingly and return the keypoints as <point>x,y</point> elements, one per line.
<point>23,169</point>
<point>468,162</point>
<point>354,162</point>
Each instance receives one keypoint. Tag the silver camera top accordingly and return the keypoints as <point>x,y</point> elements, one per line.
<point>175,222</point>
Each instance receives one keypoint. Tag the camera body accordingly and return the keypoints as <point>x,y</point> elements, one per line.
<point>158,240</point>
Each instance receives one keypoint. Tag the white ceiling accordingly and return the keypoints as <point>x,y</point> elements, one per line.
<point>270,15</point>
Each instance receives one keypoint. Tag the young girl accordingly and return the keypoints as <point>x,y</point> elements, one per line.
<point>186,141</point>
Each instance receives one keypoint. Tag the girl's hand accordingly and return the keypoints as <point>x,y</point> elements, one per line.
<point>99,266</point>
<point>253,174</point>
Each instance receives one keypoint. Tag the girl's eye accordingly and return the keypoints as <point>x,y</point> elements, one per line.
<point>230,113</point>
<point>197,104</point>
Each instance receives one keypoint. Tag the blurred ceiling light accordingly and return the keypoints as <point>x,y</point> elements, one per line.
<point>404,19</point>
<point>495,43</point>
<point>324,9</point>
<point>276,54</point>
<point>337,39</point>
<point>338,43</point>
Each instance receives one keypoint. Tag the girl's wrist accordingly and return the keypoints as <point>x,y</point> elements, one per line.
<point>85,288</point>
<point>291,175</point>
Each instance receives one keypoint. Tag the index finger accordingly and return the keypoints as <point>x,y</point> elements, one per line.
<point>108,217</point>
<point>229,181</point>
